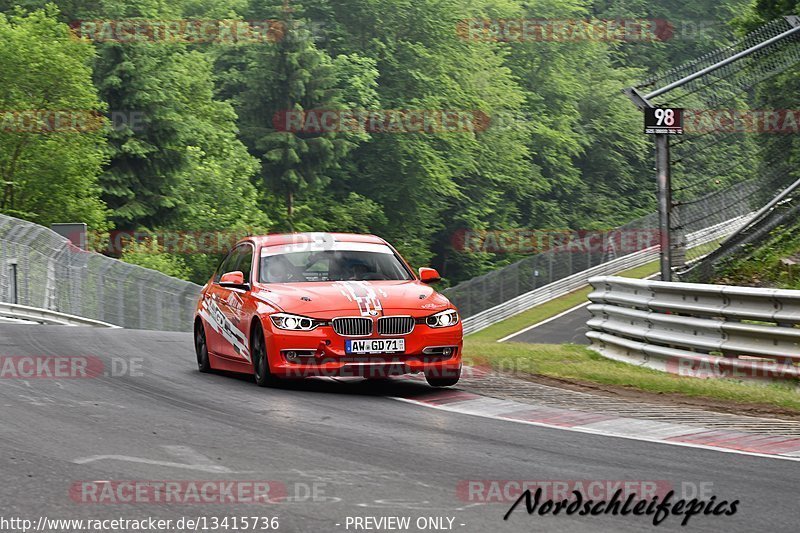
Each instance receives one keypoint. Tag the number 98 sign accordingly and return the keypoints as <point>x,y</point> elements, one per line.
<point>667,120</point>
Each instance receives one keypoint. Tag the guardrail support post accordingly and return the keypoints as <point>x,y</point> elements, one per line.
<point>13,294</point>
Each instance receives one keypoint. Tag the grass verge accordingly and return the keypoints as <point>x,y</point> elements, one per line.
<point>581,365</point>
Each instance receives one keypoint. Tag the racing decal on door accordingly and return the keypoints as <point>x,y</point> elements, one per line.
<point>215,318</point>
<point>235,303</point>
<point>363,294</point>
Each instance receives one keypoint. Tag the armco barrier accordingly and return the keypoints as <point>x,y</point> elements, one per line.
<point>574,282</point>
<point>695,329</point>
<point>46,316</point>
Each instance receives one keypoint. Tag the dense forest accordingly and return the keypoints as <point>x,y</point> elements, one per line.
<point>196,102</point>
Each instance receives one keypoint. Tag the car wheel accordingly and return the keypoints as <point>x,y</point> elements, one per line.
<point>201,347</point>
<point>443,379</point>
<point>258,349</point>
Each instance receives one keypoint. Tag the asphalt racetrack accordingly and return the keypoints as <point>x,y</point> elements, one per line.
<point>330,451</point>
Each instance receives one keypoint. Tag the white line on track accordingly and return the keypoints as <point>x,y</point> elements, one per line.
<point>559,315</point>
<point>599,432</point>
<point>543,322</point>
<point>127,458</point>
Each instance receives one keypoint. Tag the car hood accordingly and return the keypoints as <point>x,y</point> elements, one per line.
<point>355,298</point>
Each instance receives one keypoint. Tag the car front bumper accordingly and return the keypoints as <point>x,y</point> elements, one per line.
<point>321,352</point>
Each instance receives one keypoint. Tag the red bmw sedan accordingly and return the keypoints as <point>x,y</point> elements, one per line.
<point>325,304</point>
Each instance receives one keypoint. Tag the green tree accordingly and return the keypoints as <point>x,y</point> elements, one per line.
<point>431,184</point>
<point>292,75</point>
<point>48,176</point>
<point>184,130</point>
<point>150,254</point>
<point>145,159</point>
<point>179,167</point>
<point>214,186</point>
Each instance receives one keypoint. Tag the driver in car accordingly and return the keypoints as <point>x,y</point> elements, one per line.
<point>357,271</point>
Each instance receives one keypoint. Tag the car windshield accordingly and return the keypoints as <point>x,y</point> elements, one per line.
<point>376,262</point>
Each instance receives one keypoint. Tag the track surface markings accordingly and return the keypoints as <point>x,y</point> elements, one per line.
<point>775,446</point>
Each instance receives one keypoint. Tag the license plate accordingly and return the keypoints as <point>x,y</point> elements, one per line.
<point>375,346</point>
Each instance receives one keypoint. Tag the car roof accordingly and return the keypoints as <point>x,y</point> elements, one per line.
<point>279,239</point>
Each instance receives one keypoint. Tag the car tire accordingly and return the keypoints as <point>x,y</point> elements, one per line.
<point>201,347</point>
<point>445,379</point>
<point>258,349</point>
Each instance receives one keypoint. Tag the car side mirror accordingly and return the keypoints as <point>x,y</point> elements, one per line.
<point>233,280</point>
<point>429,275</point>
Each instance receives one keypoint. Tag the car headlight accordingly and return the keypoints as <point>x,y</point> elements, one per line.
<point>443,319</point>
<point>294,322</point>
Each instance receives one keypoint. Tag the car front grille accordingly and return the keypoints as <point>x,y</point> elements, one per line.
<point>352,327</point>
<point>395,325</point>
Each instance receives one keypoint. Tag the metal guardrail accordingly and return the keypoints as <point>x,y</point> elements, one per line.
<point>574,282</point>
<point>46,316</point>
<point>696,329</point>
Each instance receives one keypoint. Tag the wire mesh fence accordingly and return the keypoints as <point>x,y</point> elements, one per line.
<point>537,270</point>
<point>730,161</point>
<point>738,76</point>
<point>42,269</point>
<point>735,134</point>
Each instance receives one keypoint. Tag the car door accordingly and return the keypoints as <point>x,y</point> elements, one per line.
<point>212,310</point>
<point>230,302</point>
